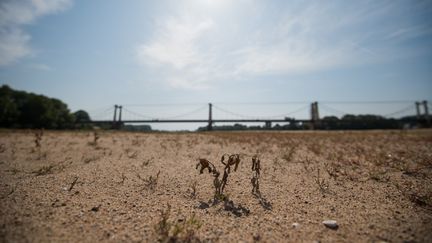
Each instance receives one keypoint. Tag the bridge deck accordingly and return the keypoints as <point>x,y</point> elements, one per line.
<point>201,121</point>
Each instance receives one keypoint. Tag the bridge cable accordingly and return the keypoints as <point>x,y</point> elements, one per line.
<point>138,114</point>
<point>260,117</point>
<point>332,110</point>
<point>185,114</point>
<point>101,114</point>
<point>408,108</point>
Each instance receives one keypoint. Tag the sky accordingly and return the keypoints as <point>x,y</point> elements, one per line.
<point>251,58</point>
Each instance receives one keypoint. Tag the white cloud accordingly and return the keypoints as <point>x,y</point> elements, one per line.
<point>13,45</point>
<point>410,32</point>
<point>197,46</point>
<point>14,42</point>
<point>176,43</point>
<point>40,67</point>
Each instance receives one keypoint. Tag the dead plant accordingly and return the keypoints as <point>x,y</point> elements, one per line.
<point>95,139</point>
<point>193,188</point>
<point>146,162</point>
<point>150,182</point>
<point>379,175</point>
<point>205,164</point>
<point>38,139</point>
<point>316,149</point>
<point>123,177</point>
<point>289,154</point>
<point>306,164</point>
<point>38,144</point>
<point>323,185</point>
<point>219,185</point>
<point>233,159</point>
<point>2,148</point>
<point>44,170</point>
<point>236,210</point>
<point>73,183</point>
<point>256,168</point>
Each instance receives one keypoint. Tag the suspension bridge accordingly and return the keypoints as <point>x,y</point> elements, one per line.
<point>222,113</point>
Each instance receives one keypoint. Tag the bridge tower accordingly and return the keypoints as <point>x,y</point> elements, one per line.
<point>418,113</point>
<point>210,119</point>
<point>119,124</point>
<point>314,115</point>
<point>426,113</point>
<point>115,116</point>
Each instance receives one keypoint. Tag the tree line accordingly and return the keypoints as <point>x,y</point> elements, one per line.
<point>20,109</point>
<point>347,122</point>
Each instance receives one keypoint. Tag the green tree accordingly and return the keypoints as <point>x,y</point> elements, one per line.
<point>8,108</point>
<point>28,110</point>
<point>81,116</point>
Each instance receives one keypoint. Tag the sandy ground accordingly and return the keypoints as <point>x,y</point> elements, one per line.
<point>376,185</point>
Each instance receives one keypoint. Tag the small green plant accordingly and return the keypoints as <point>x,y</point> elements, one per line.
<point>163,226</point>
<point>180,231</point>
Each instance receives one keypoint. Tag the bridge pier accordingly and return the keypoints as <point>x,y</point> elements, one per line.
<point>268,124</point>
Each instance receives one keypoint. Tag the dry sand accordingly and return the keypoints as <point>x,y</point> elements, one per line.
<point>376,185</point>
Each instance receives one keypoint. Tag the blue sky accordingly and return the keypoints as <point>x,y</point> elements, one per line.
<point>94,54</point>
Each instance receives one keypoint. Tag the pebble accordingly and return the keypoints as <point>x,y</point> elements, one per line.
<point>295,225</point>
<point>331,224</point>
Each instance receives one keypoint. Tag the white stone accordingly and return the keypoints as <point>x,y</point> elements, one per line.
<point>332,224</point>
<point>295,225</point>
